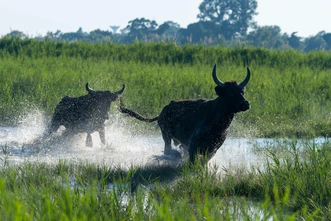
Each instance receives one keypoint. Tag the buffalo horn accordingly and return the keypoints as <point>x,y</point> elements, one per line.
<point>120,91</point>
<point>88,88</point>
<point>217,81</point>
<point>248,76</point>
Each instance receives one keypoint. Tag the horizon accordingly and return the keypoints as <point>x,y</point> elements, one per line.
<point>36,18</point>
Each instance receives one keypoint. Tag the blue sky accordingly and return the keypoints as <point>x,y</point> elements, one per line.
<point>36,17</point>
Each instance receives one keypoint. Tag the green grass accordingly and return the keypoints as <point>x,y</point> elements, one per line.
<point>294,185</point>
<point>289,92</point>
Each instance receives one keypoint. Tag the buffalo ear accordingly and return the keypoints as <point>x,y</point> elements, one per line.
<point>220,91</point>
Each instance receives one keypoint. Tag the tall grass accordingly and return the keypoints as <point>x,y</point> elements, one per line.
<point>289,91</point>
<point>165,53</point>
<point>304,170</point>
<point>294,185</point>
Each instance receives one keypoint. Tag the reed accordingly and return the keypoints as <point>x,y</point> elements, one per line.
<point>289,91</point>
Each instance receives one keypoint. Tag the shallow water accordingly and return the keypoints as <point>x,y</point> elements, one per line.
<point>122,149</point>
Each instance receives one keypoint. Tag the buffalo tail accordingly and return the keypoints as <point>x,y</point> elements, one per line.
<point>133,113</point>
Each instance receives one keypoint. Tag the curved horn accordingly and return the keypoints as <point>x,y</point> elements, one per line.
<point>120,91</point>
<point>248,76</point>
<point>216,80</point>
<point>88,88</point>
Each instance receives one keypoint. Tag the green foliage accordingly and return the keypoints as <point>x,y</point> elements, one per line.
<point>268,37</point>
<point>301,174</point>
<point>289,91</point>
<point>293,185</point>
<point>232,17</point>
<point>315,43</point>
<point>163,53</point>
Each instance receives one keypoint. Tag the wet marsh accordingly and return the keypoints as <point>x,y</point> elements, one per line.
<point>275,163</point>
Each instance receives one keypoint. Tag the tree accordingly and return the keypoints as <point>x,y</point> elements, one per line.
<point>294,41</point>
<point>169,28</point>
<point>234,17</point>
<point>315,43</point>
<point>99,36</point>
<point>198,32</point>
<point>54,36</point>
<point>327,39</point>
<point>74,36</point>
<point>17,34</point>
<point>267,36</point>
<point>140,27</point>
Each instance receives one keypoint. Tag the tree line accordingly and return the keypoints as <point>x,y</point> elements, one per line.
<point>221,22</point>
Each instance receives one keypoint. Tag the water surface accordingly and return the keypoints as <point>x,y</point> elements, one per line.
<point>122,149</point>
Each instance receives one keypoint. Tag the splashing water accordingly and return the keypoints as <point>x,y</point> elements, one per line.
<point>124,147</point>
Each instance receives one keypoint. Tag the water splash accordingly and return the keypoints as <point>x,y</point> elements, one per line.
<point>29,127</point>
<point>126,146</point>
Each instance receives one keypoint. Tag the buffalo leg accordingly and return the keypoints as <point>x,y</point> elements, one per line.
<point>89,142</point>
<point>192,151</point>
<point>167,143</point>
<point>167,146</point>
<point>52,128</point>
<point>49,130</point>
<point>194,148</point>
<point>211,154</point>
<point>102,135</point>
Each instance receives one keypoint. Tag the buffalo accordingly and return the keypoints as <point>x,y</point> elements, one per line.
<point>84,114</point>
<point>200,125</point>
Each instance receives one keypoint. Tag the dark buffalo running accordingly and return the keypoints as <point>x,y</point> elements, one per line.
<point>200,125</point>
<point>86,113</point>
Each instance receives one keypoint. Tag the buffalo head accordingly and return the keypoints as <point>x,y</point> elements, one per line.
<point>232,92</point>
<point>101,101</point>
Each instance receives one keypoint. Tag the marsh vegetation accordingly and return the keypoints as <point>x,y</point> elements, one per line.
<point>289,94</point>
